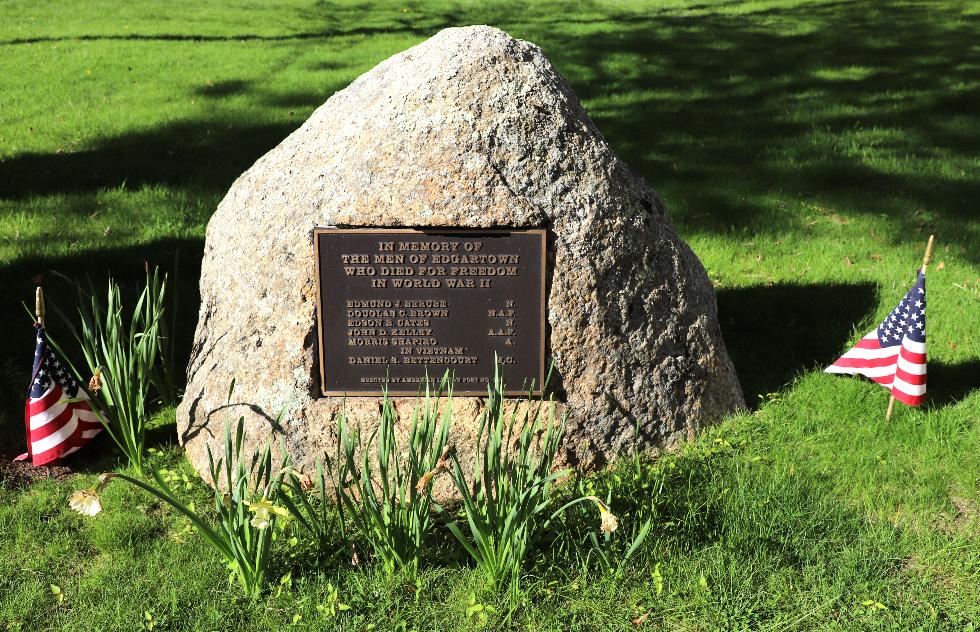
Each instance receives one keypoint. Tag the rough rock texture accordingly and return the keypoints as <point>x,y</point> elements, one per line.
<point>471,128</point>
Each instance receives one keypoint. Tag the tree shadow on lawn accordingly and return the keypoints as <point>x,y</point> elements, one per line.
<point>403,26</point>
<point>867,110</point>
<point>773,333</point>
<point>126,265</point>
<point>200,155</point>
<point>853,109</point>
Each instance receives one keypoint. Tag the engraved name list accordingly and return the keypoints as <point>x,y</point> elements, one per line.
<point>396,305</point>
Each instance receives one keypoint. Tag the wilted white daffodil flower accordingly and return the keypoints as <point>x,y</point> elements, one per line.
<point>608,522</point>
<point>86,501</point>
<point>264,510</point>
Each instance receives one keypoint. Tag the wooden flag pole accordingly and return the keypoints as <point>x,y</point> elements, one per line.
<point>926,260</point>
<point>39,305</point>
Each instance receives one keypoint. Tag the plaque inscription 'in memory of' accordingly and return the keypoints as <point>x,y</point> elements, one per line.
<point>396,305</point>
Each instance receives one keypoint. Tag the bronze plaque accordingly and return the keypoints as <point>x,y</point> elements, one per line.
<point>397,303</point>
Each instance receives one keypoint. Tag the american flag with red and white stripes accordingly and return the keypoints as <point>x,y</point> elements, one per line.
<point>58,415</point>
<point>894,354</point>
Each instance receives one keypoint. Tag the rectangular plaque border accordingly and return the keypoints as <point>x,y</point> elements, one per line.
<point>541,232</point>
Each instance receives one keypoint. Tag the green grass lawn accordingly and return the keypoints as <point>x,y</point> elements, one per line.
<point>806,152</point>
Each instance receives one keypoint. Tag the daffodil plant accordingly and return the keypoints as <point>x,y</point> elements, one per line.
<point>124,358</point>
<point>246,513</point>
<point>607,550</point>
<point>507,499</point>
<point>611,545</point>
<point>309,501</point>
<point>385,488</point>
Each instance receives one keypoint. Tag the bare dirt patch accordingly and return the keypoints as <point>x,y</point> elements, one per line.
<point>19,474</point>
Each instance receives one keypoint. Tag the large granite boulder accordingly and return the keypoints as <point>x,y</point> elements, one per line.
<point>470,128</point>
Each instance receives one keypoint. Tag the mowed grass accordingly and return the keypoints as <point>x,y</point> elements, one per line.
<point>806,151</point>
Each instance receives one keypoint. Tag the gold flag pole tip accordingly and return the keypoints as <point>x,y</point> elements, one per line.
<point>930,248</point>
<point>39,305</point>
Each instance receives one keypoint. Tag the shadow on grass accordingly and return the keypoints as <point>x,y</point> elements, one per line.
<point>773,333</point>
<point>126,265</point>
<point>851,111</point>
<point>849,108</point>
<point>950,383</point>
<point>211,37</point>
<point>205,156</point>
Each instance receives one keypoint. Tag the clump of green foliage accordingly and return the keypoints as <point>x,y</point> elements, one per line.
<point>245,513</point>
<point>507,496</point>
<point>383,487</point>
<point>123,350</point>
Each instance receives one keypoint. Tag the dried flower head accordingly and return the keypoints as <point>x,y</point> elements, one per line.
<point>447,453</point>
<point>85,502</point>
<point>608,522</point>
<point>442,466</point>
<point>302,478</point>
<point>95,384</point>
<point>424,481</point>
<point>305,482</point>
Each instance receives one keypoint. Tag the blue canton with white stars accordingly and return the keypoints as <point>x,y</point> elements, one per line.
<point>907,319</point>
<point>47,367</point>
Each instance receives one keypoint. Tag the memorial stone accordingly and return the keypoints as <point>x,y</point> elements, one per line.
<point>452,205</point>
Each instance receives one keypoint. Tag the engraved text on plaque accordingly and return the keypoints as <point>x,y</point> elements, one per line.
<point>395,304</point>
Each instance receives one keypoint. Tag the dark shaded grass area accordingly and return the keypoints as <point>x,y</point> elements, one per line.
<point>203,156</point>
<point>747,94</point>
<point>769,330</point>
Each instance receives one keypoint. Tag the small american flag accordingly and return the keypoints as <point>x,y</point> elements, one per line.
<point>58,416</point>
<point>894,354</point>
